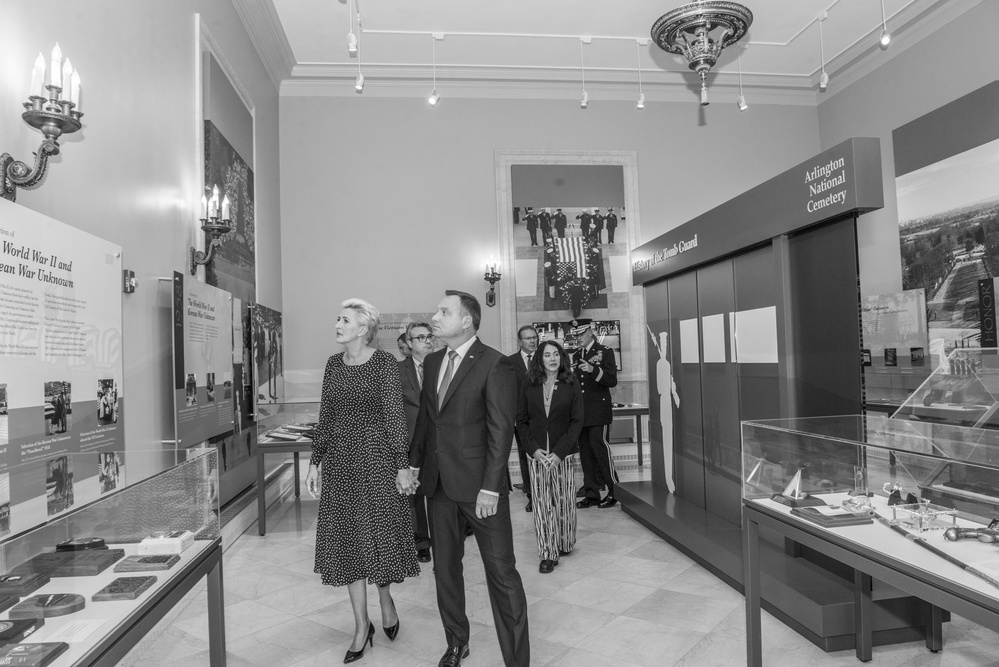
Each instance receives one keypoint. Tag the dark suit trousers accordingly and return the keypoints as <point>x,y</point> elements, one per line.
<point>525,472</point>
<point>595,459</point>
<point>494,536</point>
<point>421,526</point>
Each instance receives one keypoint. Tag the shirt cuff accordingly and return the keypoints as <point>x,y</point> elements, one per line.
<point>600,373</point>
<point>416,470</point>
<point>489,493</point>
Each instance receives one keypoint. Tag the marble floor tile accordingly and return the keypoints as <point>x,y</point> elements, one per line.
<point>241,619</point>
<point>603,594</point>
<point>651,573</point>
<point>640,642</point>
<point>284,644</point>
<point>698,581</point>
<point>575,657</point>
<point>682,611</point>
<point>612,544</point>
<point>564,623</point>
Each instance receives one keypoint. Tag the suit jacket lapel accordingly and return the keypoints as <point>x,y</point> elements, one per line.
<point>409,370</point>
<point>431,371</point>
<point>472,356</point>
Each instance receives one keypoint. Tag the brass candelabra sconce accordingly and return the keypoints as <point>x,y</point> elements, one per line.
<point>50,112</point>
<point>492,277</point>
<point>216,224</point>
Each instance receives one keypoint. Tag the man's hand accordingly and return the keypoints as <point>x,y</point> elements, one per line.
<point>585,366</point>
<point>406,482</point>
<point>485,505</point>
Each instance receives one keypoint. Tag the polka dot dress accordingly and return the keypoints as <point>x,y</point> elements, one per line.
<point>364,530</point>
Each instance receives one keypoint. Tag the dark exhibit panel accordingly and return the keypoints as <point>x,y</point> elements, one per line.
<point>719,392</point>
<point>688,442</point>
<point>824,373</point>
<point>755,288</point>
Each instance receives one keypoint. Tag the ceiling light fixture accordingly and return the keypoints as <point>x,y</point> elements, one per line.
<point>434,97</point>
<point>741,100</point>
<point>351,37</point>
<point>824,77</point>
<point>639,43</point>
<point>699,31</point>
<point>584,100</point>
<point>885,35</point>
<point>359,82</point>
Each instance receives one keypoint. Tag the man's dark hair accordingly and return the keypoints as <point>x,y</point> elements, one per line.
<point>524,328</point>
<point>469,306</point>
<point>402,337</point>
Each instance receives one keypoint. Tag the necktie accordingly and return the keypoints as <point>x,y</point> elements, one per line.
<point>419,374</point>
<point>448,372</point>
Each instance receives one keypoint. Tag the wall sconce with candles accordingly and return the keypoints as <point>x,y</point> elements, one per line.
<point>216,224</point>
<point>51,113</point>
<point>492,277</point>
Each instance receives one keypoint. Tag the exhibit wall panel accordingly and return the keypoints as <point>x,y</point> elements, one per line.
<point>756,290</point>
<point>406,203</point>
<point>132,175</point>
<point>916,78</point>
<point>686,355</point>
<point>825,318</point>
<point>657,317</point>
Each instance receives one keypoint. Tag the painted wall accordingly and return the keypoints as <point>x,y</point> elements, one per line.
<point>393,201</point>
<point>132,175</point>
<point>914,81</point>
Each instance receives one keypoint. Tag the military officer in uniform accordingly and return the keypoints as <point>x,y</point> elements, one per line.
<point>560,223</point>
<point>532,225</point>
<point>584,222</point>
<point>610,222</point>
<point>596,372</point>
<point>545,219</point>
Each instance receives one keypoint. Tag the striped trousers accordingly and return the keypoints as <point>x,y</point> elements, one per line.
<point>554,496</point>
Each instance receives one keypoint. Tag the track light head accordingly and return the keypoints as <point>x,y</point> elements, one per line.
<point>359,83</point>
<point>351,42</point>
<point>823,81</point>
<point>641,101</point>
<point>584,100</point>
<point>434,98</point>
<point>885,39</point>
<point>741,102</point>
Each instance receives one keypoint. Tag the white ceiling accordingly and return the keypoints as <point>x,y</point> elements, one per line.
<point>532,48</point>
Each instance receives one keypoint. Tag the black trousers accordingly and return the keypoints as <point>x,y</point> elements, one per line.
<point>421,524</point>
<point>595,459</point>
<point>525,472</point>
<point>494,535</point>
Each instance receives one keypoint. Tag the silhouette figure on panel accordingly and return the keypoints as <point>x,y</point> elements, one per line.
<point>666,386</point>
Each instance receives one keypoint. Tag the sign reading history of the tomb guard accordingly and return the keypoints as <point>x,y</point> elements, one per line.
<point>842,180</point>
<point>202,349</point>
<point>60,340</point>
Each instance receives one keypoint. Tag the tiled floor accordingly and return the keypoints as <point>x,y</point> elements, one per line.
<point>624,597</point>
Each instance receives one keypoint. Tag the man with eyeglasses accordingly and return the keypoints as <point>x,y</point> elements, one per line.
<point>421,341</point>
<point>527,340</point>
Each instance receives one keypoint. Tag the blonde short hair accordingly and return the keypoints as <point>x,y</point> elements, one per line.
<point>367,315</point>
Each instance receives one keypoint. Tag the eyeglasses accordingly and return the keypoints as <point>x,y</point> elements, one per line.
<point>529,338</point>
<point>423,338</point>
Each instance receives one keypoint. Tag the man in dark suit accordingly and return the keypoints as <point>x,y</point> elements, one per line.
<point>527,339</point>
<point>545,221</point>
<point>459,453</point>
<point>560,222</point>
<point>532,226</point>
<point>610,222</point>
<point>420,340</point>
<point>597,373</point>
<point>597,232</point>
<point>584,222</point>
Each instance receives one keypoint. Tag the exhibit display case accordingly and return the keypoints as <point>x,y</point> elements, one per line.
<point>963,390</point>
<point>84,585</point>
<point>282,428</point>
<point>913,503</point>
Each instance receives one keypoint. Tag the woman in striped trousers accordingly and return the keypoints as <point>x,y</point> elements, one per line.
<point>549,421</point>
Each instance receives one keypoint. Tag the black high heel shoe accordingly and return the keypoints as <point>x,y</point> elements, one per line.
<point>357,655</point>
<point>392,632</point>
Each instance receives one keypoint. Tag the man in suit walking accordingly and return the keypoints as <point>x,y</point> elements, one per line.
<point>459,453</point>
<point>545,222</point>
<point>597,373</point>
<point>420,340</point>
<point>610,222</point>
<point>527,339</point>
<point>532,226</point>
<point>560,222</point>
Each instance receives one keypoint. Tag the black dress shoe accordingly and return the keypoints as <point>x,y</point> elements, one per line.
<point>547,566</point>
<point>563,554</point>
<point>356,655</point>
<point>453,656</point>
<point>587,502</point>
<point>581,493</point>
<point>529,507</point>
<point>608,501</point>
<point>423,555</point>
<point>519,487</point>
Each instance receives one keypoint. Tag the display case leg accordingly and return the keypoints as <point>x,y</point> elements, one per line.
<point>751,556</point>
<point>934,629</point>
<point>298,482</point>
<point>863,615</point>
<point>261,499</point>
<point>216,617</point>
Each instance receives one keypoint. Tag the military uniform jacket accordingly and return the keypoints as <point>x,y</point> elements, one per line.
<point>596,385</point>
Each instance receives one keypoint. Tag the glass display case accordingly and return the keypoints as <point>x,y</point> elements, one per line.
<point>286,422</point>
<point>963,390</point>
<point>887,479</point>
<point>112,535</point>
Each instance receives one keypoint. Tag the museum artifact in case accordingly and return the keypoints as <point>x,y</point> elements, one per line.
<point>62,573</point>
<point>286,422</point>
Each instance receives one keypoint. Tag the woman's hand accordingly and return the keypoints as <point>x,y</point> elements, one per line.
<point>540,456</point>
<point>554,459</point>
<point>312,481</point>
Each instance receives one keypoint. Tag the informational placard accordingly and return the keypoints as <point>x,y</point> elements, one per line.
<point>895,333</point>
<point>202,348</point>
<point>60,340</point>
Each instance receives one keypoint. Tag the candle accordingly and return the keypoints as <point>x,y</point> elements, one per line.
<point>74,90</point>
<point>55,73</point>
<point>38,76</point>
<point>225,208</point>
<point>213,203</point>
<point>204,207</point>
<point>67,79</point>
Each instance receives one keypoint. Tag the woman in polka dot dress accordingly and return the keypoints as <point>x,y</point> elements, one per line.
<point>364,533</point>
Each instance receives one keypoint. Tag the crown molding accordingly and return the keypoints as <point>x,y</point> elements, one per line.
<point>260,19</point>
